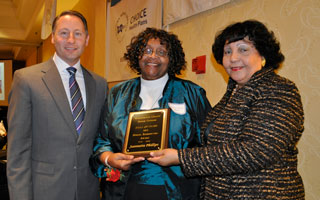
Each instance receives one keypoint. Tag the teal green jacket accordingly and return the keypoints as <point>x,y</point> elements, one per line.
<point>188,108</point>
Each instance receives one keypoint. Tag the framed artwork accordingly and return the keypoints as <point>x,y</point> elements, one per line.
<point>5,81</point>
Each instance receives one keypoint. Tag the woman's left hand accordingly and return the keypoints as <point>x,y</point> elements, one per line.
<point>166,157</point>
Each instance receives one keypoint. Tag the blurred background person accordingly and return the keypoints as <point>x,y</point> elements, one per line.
<point>250,151</point>
<point>3,135</point>
<point>4,193</point>
<point>158,57</point>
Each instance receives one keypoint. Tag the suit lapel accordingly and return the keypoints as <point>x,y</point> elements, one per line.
<point>55,86</point>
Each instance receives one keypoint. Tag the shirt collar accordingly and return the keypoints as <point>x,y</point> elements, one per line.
<point>62,65</point>
<point>155,83</point>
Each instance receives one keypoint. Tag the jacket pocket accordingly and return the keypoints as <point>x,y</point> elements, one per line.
<point>42,167</point>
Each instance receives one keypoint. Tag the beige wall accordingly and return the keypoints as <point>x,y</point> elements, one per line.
<point>94,54</point>
<point>296,25</point>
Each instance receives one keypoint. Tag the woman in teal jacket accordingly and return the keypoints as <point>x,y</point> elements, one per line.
<point>158,56</point>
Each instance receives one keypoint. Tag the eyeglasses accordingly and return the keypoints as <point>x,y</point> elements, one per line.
<point>159,52</point>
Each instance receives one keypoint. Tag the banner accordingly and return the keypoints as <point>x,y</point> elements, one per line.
<point>2,90</point>
<point>50,8</point>
<point>175,10</point>
<point>126,19</point>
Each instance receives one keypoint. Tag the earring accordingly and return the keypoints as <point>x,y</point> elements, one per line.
<point>263,62</point>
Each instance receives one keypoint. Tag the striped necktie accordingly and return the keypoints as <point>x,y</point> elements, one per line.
<point>76,99</point>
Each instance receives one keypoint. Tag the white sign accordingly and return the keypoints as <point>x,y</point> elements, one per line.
<point>125,20</point>
<point>175,10</point>
<point>50,8</point>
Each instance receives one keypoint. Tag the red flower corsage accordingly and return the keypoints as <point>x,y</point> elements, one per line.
<point>113,175</point>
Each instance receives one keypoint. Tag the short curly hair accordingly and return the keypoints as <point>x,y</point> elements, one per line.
<point>169,40</point>
<point>263,40</point>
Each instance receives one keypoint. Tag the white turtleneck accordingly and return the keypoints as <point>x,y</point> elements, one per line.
<point>151,92</point>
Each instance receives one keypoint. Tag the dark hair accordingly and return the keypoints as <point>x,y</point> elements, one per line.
<point>73,13</point>
<point>263,40</point>
<point>170,41</point>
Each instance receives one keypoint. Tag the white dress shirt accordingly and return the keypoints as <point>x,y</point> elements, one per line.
<point>64,74</point>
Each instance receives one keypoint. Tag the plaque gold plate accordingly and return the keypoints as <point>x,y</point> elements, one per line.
<point>147,131</point>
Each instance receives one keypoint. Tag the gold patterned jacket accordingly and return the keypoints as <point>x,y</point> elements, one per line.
<point>250,151</point>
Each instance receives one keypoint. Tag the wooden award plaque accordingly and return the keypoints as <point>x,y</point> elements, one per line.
<point>147,131</point>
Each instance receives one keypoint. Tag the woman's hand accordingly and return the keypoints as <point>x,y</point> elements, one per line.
<point>119,160</point>
<point>166,157</point>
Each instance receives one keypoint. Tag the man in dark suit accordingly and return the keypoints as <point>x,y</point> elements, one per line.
<point>50,137</point>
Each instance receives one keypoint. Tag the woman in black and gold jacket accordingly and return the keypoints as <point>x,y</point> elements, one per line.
<point>252,133</point>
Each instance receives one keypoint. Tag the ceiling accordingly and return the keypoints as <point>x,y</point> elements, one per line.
<point>20,26</point>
